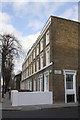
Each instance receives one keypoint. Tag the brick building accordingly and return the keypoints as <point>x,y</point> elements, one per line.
<point>52,62</point>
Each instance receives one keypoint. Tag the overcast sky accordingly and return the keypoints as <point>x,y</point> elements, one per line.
<point>26,19</point>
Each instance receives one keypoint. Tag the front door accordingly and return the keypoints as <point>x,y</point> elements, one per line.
<point>70,86</point>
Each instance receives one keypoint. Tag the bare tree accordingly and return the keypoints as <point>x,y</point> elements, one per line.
<point>10,50</point>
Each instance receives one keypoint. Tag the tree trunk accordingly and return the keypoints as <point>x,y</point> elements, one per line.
<point>3,74</point>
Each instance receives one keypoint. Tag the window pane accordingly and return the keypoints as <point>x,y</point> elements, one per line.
<point>41,45</point>
<point>46,82</point>
<point>47,56</point>
<point>47,37</point>
<point>37,64</point>
<point>33,54</point>
<point>41,84</point>
<point>33,67</point>
<point>37,49</point>
<point>38,84</point>
<point>41,61</point>
<point>69,81</point>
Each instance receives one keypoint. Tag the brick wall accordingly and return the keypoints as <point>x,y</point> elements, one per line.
<point>64,35</point>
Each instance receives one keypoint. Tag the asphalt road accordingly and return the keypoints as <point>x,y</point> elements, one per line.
<point>71,112</point>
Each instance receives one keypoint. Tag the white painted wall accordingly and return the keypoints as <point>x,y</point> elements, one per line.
<point>31,98</point>
<point>14,97</point>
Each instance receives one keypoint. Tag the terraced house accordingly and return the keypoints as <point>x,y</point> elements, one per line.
<point>52,62</point>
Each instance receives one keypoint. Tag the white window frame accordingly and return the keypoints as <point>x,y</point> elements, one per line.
<point>70,91</point>
<point>46,86</point>
<point>37,50</point>
<point>27,72</point>
<point>29,60</point>
<point>41,45</point>
<point>30,83</point>
<point>47,37</point>
<point>47,55</point>
<point>31,69</point>
<point>26,84</point>
<point>34,67</point>
<point>38,84</point>
<point>34,54</point>
<point>31,57</point>
<point>41,82</point>
<point>41,60</point>
<point>27,63</point>
<point>37,64</point>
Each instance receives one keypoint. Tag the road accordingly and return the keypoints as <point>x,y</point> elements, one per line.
<point>71,112</point>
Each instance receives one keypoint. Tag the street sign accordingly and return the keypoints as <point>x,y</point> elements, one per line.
<point>57,71</point>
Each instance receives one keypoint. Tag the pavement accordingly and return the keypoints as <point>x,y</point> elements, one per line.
<point>6,105</point>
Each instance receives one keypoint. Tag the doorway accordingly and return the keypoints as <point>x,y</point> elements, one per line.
<point>70,86</point>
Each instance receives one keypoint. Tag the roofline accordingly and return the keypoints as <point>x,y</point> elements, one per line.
<point>46,26</point>
<point>65,19</point>
<point>42,32</point>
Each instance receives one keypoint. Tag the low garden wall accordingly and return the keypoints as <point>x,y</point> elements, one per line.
<point>30,98</point>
